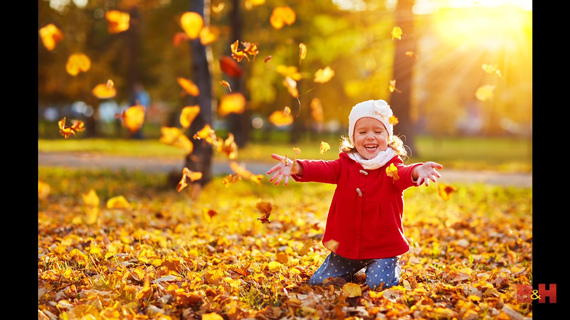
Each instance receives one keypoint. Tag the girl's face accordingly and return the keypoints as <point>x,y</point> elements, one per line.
<point>370,137</point>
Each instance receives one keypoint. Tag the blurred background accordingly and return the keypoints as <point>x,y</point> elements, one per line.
<point>459,67</point>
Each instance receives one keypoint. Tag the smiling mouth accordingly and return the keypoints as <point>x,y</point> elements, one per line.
<point>371,147</point>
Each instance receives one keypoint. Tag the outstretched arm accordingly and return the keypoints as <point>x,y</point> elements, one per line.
<point>427,171</point>
<point>284,169</point>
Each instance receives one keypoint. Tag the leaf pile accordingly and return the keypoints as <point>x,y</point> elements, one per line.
<point>132,249</point>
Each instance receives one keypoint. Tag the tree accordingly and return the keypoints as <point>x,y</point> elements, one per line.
<point>200,159</point>
<point>400,100</point>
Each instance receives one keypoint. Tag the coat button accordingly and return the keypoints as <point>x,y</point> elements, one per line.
<point>359,192</point>
<point>364,172</point>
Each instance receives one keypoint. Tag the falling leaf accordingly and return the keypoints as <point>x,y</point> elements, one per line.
<point>188,114</point>
<point>251,49</point>
<point>267,59</point>
<point>117,21</point>
<point>289,71</point>
<point>207,134</point>
<point>76,126</point>
<point>77,62</point>
<point>230,67</point>
<point>237,54</point>
<point>187,174</point>
<point>411,54</point>
<point>51,36</point>
<point>179,37</point>
<point>324,75</point>
<point>324,147</point>
<point>192,24</point>
<point>485,92</point>
<point>302,52</point>
<point>392,86</point>
<point>189,86</point>
<point>445,191</point>
<point>265,208</point>
<point>282,15</point>
<point>209,35</point>
<point>118,202</point>
<point>281,118</point>
<point>175,137</point>
<point>393,120</point>
<point>491,68</point>
<point>226,84</point>
<point>231,178</point>
<point>317,110</point>
<point>228,147</point>
<point>396,33</point>
<point>244,173</point>
<point>331,244</point>
<point>232,103</point>
<point>352,290</point>
<point>105,90</point>
<point>296,150</point>
<point>392,172</point>
<point>133,118</point>
<point>208,214</point>
<point>291,86</point>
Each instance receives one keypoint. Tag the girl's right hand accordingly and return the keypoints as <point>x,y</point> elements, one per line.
<point>281,170</point>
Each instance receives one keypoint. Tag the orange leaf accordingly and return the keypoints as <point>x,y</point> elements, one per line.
<point>396,33</point>
<point>188,86</point>
<point>265,208</point>
<point>244,173</point>
<point>208,214</point>
<point>393,120</point>
<point>192,24</point>
<point>226,84</point>
<point>445,191</point>
<point>117,21</point>
<point>90,199</point>
<point>281,117</point>
<point>251,49</point>
<point>351,290</point>
<point>282,15</point>
<point>208,35</point>
<point>179,37</point>
<point>230,178</point>
<point>324,147</point>
<point>230,67</point>
<point>291,86</point>
<point>76,63</point>
<point>188,114</point>
<point>133,118</point>
<point>207,134</point>
<point>392,86</point>
<point>267,59</point>
<point>324,75</point>
<point>66,131</point>
<point>233,102</point>
<point>51,36</point>
<point>187,174</point>
<point>317,110</point>
<point>175,137</point>
<point>105,90</point>
<point>411,54</point>
<point>331,244</point>
<point>228,147</point>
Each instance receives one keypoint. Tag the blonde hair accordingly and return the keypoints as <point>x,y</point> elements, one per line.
<point>395,143</point>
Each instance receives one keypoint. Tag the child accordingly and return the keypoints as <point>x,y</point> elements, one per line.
<point>364,224</point>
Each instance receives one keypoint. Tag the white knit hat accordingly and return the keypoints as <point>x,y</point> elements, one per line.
<point>377,109</point>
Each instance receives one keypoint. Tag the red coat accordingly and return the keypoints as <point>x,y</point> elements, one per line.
<point>365,216</point>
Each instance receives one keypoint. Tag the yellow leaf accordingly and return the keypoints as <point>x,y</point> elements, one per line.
<point>281,117</point>
<point>392,86</point>
<point>396,33</point>
<point>104,90</point>
<point>187,174</point>
<point>331,244</point>
<point>228,147</point>
<point>244,173</point>
<point>118,202</point>
<point>232,103</point>
<point>90,198</point>
<point>192,24</point>
<point>188,115</point>
<point>485,92</point>
<point>491,68</point>
<point>189,87</point>
<point>317,110</point>
<point>274,266</point>
<point>445,191</point>
<point>207,134</point>
<point>282,15</point>
<point>392,171</point>
<point>43,190</point>
<point>208,35</point>
<point>324,147</point>
<point>175,137</point>
<point>324,75</point>
<point>66,131</point>
<point>117,21</point>
<point>77,62</point>
<point>351,290</point>
<point>289,71</point>
<point>51,36</point>
<point>212,316</point>
<point>133,118</point>
<point>302,52</point>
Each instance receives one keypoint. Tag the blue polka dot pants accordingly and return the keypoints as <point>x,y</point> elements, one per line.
<point>380,273</point>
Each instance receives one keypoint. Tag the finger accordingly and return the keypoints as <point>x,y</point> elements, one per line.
<point>277,157</point>
<point>286,180</point>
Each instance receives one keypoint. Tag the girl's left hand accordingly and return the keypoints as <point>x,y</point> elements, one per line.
<point>427,172</point>
<point>280,170</point>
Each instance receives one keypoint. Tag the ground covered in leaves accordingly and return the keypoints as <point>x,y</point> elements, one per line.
<point>124,245</point>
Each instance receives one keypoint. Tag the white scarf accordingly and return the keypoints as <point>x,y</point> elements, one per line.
<point>380,160</point>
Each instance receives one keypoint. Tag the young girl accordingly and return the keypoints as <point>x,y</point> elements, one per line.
<point>364,224</point>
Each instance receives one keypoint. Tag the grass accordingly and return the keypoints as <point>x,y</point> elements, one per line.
<point>468,153</point>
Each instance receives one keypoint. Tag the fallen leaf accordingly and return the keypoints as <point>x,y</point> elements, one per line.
<point>352,290</point>
<point>265,208</point>
<point>331,244</point>
<point>43,190</point>
<point>118,202</point>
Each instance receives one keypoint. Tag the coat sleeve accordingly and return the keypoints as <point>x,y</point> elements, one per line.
<point>405,174</point>
<point>325,171</point>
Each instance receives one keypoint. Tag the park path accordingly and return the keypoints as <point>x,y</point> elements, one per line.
<point>158,165</point>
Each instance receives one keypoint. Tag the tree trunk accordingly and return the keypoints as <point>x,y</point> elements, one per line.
<point>400,100</point>
<point>237,122</point>
<point>200,159</point>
